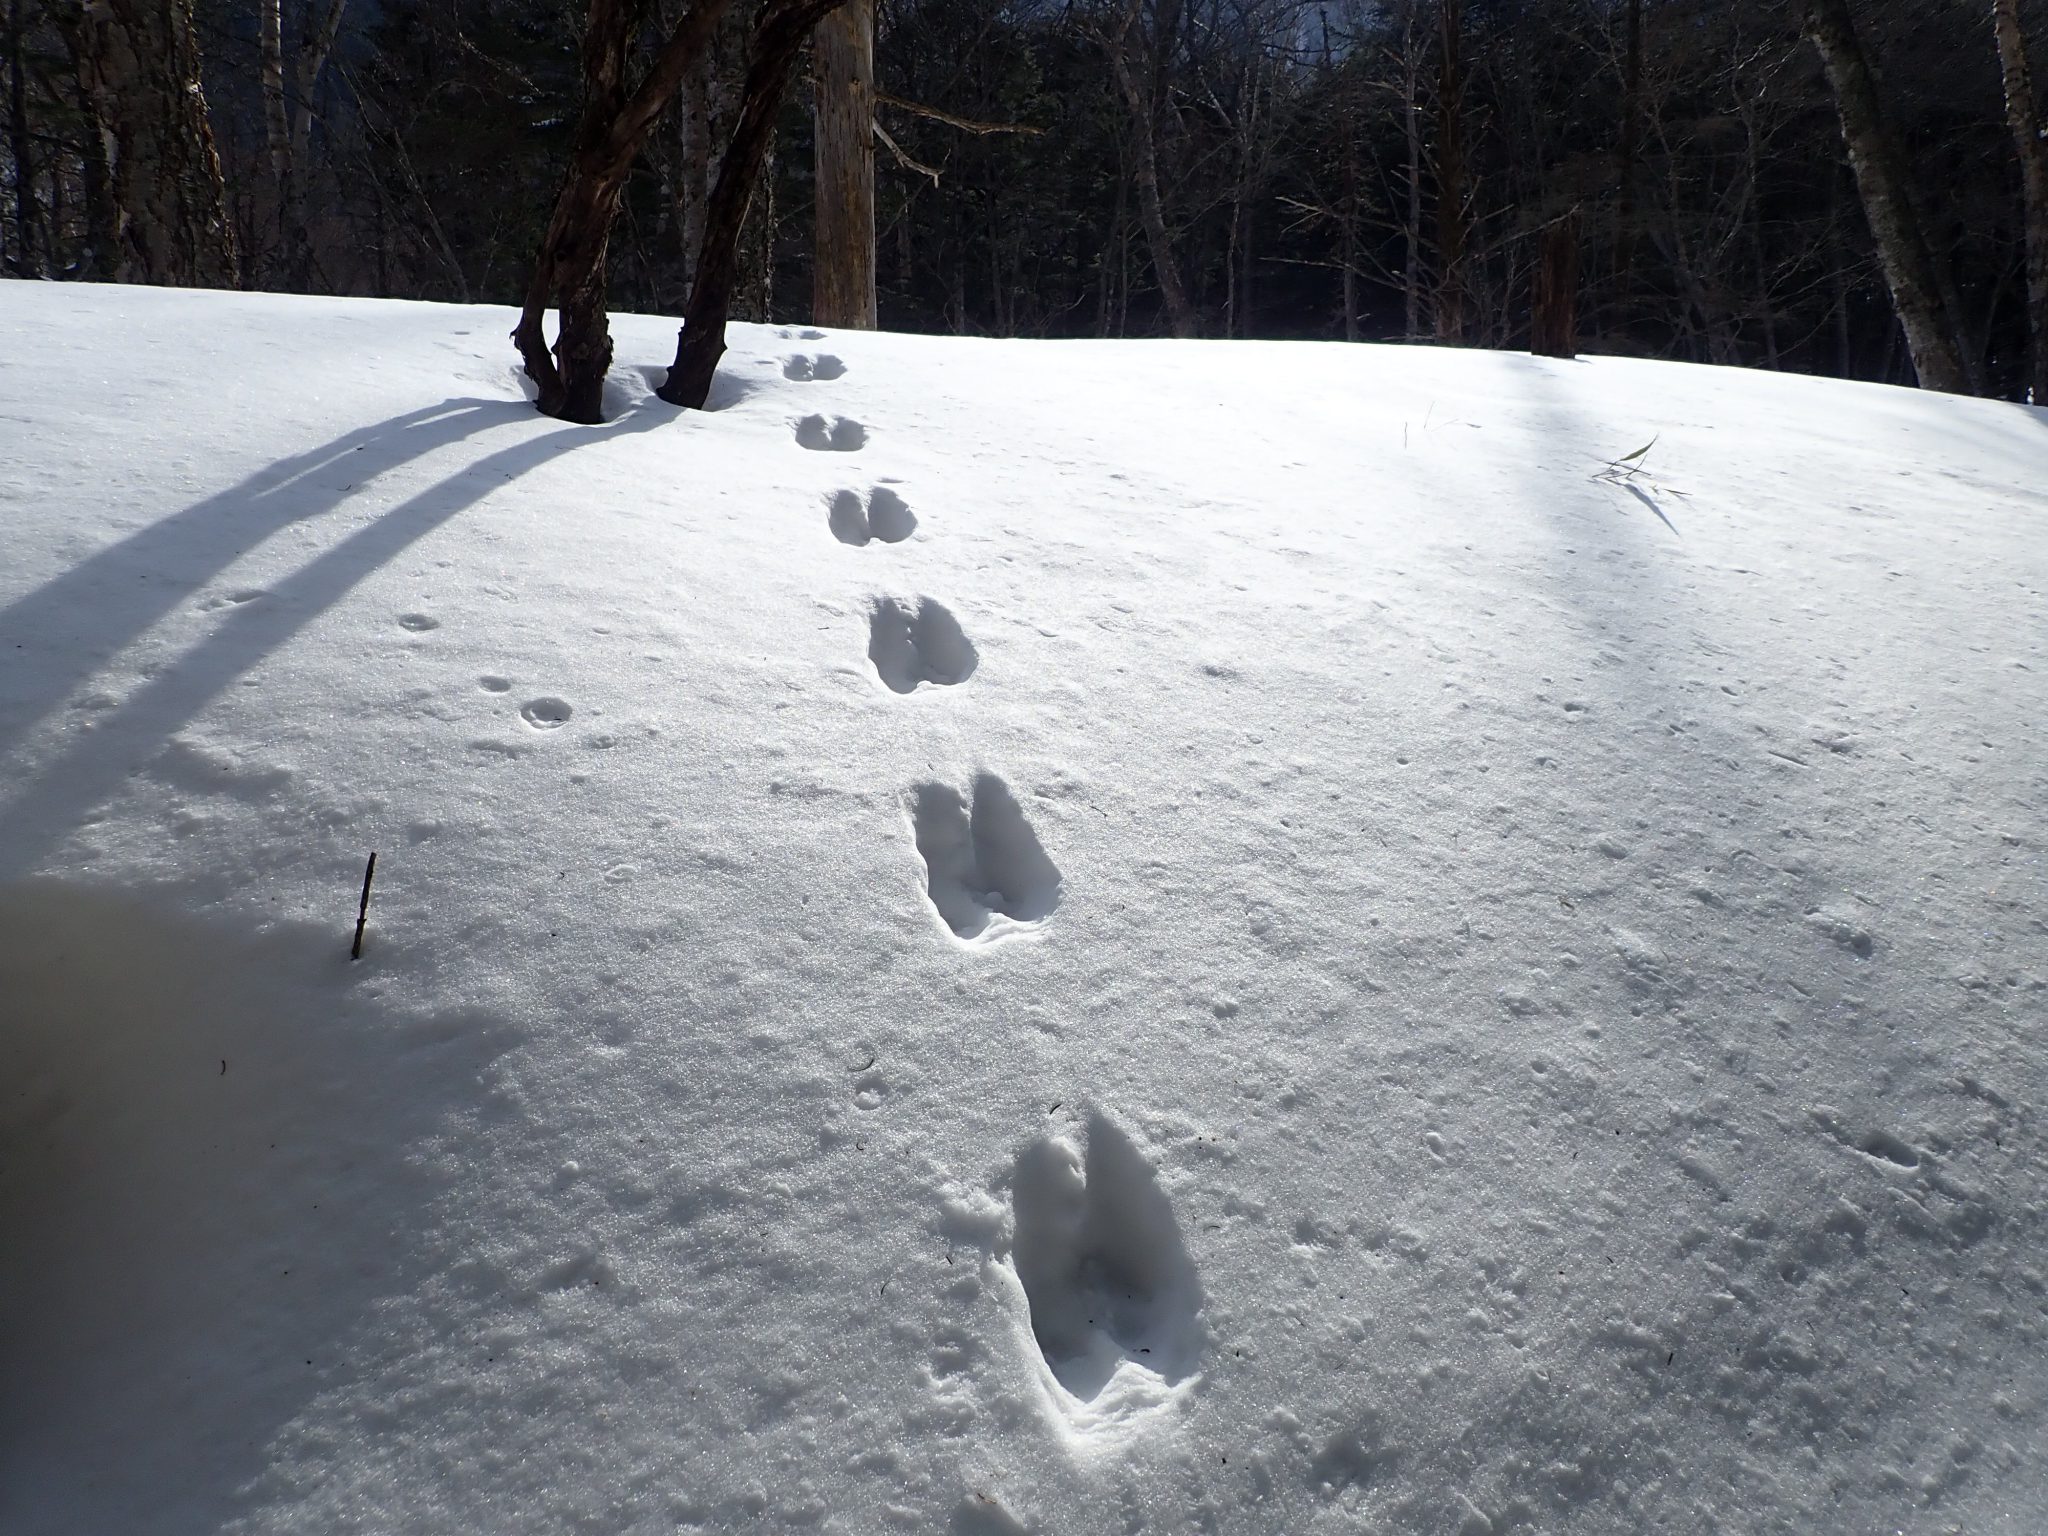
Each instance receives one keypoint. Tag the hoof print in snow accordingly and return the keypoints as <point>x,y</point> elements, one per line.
<point>986,874</point>
<point>1115,1302</point>
<point>837,434</point>
<point>885,516</point>
<point>921,644</point>
<point>803,369</point>
<point>546,714</point>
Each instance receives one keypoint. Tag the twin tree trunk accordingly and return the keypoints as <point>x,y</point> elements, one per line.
<point>2022,116</point>
<point>138,79</point>
<point>1883,182</point>
<point>569,273</point>
<point>843,64</point>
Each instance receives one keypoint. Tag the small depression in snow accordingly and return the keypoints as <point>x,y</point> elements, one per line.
<point>546,714</point>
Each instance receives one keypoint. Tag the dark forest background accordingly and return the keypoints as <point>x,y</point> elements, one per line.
<point>1311,181</point>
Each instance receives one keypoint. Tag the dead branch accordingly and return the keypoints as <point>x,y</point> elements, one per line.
<point>964,124</point>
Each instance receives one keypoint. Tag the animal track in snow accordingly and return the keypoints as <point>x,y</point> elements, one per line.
<point>418,623</point>
<point>838,434</point>
<point>1115,1302</point>
<point>490,682</point>
<point>823,366</point>
<point>233,599</point>
<point>546,714</point>
<point>885,516</point>
<point>985,872</point>
<point>917,645</point>
<point>1879,1146</point>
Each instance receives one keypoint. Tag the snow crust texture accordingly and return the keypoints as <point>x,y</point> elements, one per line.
<point>993,938</point>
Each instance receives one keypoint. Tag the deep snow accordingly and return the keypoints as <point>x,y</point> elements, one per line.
<point>1005,936</point>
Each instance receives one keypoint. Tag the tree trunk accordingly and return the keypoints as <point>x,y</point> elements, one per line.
<point>1411,123</point>
<point>1452,296</point>
<point>1882,183</point>
<point>314,49</point>
<point>772,54</point>
<point>1180,314</point>
<point>276,128</point>
<point>2022,116</point>
<point>1554,321</point>
<point>27,217</point>
<point>1630,151</point>
<point>843,63</point>
<point>1351,222</point>
<point>570,267</point>
<point>694,175</point>
<point>138,78</point>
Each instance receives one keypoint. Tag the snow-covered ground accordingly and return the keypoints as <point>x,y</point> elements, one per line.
<point>1006,936</point>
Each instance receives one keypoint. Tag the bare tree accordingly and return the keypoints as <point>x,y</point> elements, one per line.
<point>772,52</point>
<point>2025,122</point>
<point>276,124</point>
<point>138,80</point>
<point>26,262</point>
<point>1882,181</point>
<point>1630,148</point>
<point>1554,298</point>
<point>1452,225</point>
<point>570,267</point>
<point>1141,100</point>
<point>843,259</point>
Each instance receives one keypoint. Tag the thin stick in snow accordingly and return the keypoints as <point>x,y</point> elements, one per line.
<point>363,911</point>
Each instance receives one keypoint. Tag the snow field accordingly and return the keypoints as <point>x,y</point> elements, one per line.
<point>1010,937</point>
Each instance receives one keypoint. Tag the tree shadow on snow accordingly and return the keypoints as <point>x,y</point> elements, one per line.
<point>58,636</point>
<point>218,1204</point>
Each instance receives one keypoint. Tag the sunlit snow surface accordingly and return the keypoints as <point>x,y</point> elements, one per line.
<point>995,937</point>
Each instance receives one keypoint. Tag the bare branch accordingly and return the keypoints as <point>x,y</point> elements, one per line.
<point>964,124</point>
<point>904,160</point>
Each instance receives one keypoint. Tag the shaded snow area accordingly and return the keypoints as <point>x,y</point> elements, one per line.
<point>1004,937</point>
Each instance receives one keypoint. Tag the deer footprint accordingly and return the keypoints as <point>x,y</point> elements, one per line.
<point>985,872</point>
<point>837,434</point>
<point>1115,1302</point>
<point>885,516</point>
<point>804,369</point>
<point>921,644</point>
